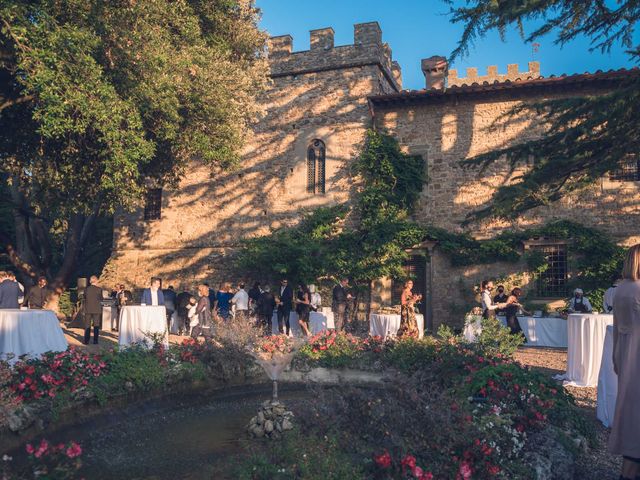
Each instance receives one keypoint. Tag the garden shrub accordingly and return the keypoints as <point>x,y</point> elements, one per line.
<point>496,339</point>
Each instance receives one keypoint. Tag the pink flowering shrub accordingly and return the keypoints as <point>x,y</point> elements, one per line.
<point>55,373</point>
<point>46,460</point>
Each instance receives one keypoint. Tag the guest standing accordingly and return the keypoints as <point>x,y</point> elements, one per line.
<point>625,431</point>
<point>92,310</point>
<point>488,307</point>
<point>340,297</point>
<point>303,307</point>
<point>316,299</point>
<point>408,322</point>
<point>265,306</point>
<point>241,300</point>
<point>285,304</point>
<point>607,301</point>
<point>254,295</point>
<point>501,297</point>
<point>511,311</point>
<point>153,295</point>
<point>579,303</point>
<point>182,305</point>
<point>223,301</point>
<point>12,277</point>
<point>9,291</point>
<point>37,296</point>
<point>169,303</point>
<point>203,312</point>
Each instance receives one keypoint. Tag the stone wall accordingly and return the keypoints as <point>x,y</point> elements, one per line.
<point>316,94</point>
<point>448,131</point>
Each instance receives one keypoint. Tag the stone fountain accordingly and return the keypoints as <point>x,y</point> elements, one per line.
<point>273,418</point>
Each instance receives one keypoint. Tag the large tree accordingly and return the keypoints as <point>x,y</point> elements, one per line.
<point>585,137</point>
<point>99,100</point>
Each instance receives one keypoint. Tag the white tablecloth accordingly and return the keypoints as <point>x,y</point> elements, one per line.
<point>137,323</point>
<point>607,382</point>
<point>388,325</point>
<point>539,331</point>
<point>30,332</point>
<point>109,317</point>
<point>586,342</point>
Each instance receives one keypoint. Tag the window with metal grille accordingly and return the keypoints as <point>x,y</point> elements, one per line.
<point>415,269</point>
<point>316,167</point>
<point>628,171</point>
<point>553,281</point>
<point>153,204</point>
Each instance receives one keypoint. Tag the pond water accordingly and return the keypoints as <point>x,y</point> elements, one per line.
<point>188,439</point>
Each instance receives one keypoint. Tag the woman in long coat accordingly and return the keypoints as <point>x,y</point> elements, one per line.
<point>625,431</point>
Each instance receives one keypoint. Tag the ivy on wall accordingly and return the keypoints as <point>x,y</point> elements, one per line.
<point>373,243</point>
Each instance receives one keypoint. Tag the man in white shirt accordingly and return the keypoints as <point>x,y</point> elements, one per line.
<point>579,303</point>
<point>241,301</point>
<point>488,307</point>
<point>153,295</point>
<point>608,297</point>
<point>315,301</point>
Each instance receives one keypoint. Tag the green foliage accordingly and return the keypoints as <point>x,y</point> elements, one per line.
<point>584,136</point>
<point>322,245</point>
<point>298,456</point>
<point>497,340</point>
<point>134,368</point>
<point>596,259</point>
<point>99,98</point>
<point>410,354</point>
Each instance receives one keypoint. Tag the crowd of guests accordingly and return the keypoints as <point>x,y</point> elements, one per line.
<point>197,312</point>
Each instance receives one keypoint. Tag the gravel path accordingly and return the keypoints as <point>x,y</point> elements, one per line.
<point>597,463</point>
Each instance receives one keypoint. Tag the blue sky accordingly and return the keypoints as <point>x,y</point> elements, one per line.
<point>417,29</point>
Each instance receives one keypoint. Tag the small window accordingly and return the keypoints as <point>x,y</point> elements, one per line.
<point>153,204</point>
<point>628,171</point>
<point>316,167</point>
<point>553,281</point>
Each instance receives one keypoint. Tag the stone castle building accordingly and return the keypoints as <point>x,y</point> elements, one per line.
<point>318,108</point>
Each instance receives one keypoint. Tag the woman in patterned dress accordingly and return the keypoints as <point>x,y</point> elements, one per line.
<point>408,322</point>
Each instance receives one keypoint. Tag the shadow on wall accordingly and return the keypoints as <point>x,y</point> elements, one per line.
<point>209,214</point>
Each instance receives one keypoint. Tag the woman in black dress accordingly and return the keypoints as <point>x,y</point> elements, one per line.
<point>511,310</point>
<point>303,307</point>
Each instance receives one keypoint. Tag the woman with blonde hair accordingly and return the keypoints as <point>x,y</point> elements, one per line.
<point>625,431</point>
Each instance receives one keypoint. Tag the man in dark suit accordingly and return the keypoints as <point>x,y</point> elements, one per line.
<point>153,295</point>
<point>339,304</point>
<point>169,296</point>
<point>92,310</point>
<point>265,305</point>
<point>9,291</point>
<point>285,304</point>
<point>37,296</point>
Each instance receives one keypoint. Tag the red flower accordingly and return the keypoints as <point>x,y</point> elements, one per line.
<point>74,450</point>
<point>408,462</point>
<point>426,476</point>
<point>493,469</point>
<point>29,448</point>
<point>465,471</point>
<point>383,460</point>
<point>30,370</point>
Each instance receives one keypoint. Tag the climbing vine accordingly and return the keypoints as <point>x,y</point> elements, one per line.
<point>369,239</point>
<point>364,241</point>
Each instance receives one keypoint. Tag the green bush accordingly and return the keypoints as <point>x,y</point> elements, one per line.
<point>410,354</point>
<point>297,456</point>
<point>497,340</point>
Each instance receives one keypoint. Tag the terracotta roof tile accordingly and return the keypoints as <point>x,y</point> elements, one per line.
<point>528,82</point>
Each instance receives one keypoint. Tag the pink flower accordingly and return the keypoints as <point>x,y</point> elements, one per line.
<point>74,450</point>
<point>383,460</point>
<point>29,448</point>
<point>426,476</point>
<point>465,471</point>
<point>493,469</point>
<point>408,462</point>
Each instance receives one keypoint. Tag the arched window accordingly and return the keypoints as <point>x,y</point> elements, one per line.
<point>315,167</point>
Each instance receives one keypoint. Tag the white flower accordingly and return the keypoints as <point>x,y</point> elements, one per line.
<point>6,458</point>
